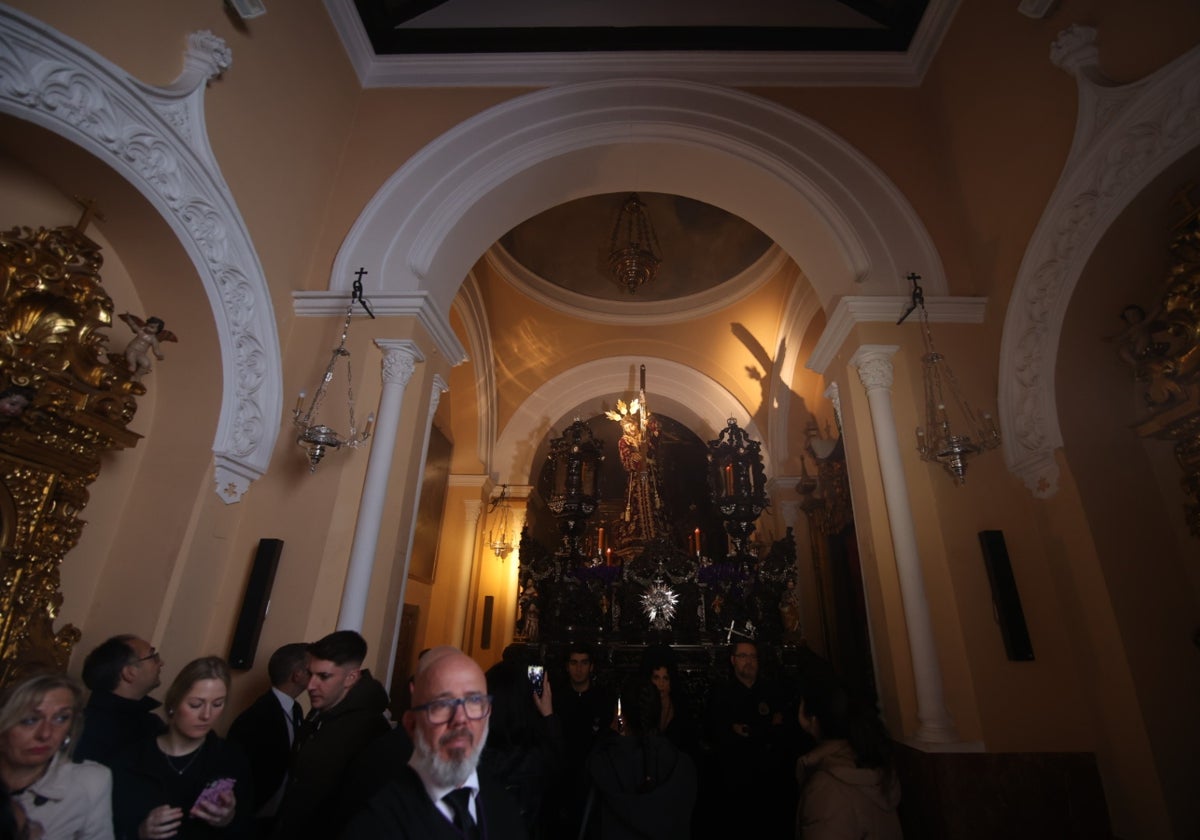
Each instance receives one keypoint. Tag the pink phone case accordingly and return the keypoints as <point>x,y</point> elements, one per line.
<point>213,790</point>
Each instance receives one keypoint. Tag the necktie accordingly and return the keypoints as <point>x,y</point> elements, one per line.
<point>297,716</point>
<point>458,802</point>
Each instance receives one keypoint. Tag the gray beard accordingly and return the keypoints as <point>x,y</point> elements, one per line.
<point>443,772</point>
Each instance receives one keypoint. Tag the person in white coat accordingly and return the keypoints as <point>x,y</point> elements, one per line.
<point>40,717</point>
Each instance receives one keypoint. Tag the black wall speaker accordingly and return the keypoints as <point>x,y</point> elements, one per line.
<point>489,606</point>
<point>254,604</point>
<point>1005,598</point>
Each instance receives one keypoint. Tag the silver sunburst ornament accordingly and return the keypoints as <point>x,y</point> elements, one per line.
<point>659,604</point>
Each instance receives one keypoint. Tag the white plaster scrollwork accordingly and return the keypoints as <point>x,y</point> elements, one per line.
<point>399,361</point>
<point>875,368</point>
<point>834,394</point>
<point>1125,137</point>
<point>439,387</point>
<point>154,137</point>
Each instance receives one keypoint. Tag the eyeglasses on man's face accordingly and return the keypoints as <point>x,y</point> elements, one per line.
<point>153,654</point>
<point>475,706</point>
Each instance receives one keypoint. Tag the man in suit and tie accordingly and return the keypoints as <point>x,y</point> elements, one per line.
<point>442,794</point>
<point>267,729</point>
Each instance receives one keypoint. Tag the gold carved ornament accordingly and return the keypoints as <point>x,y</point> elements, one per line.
<point>1164,349</point>
<point>63,402</point>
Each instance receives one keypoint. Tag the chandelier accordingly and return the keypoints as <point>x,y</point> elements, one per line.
<point>633,253</point>
<point>317,438</point>
<point>952,432</point>
<point>500,537</point>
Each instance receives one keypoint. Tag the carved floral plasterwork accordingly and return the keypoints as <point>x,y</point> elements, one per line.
<point>154,137</point>
<point>1125,136</point>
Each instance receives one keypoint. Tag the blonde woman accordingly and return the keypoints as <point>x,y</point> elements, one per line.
<point>40,718</point>
<point>186,782</point>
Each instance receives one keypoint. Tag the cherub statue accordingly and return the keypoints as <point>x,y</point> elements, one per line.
<point>146,337</point>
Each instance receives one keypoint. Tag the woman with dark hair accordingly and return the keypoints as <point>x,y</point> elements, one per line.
<point>524,748</point>
<point>40,718</point>
<point>848,785</point>
<point>644,787</point>
<point>675,721</point>
<point>186,782</point>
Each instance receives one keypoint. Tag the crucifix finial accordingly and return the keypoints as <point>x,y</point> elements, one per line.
<point>90,211</point>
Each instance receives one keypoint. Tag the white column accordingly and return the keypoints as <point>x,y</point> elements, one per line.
<point>472,510</point>
<point>399,361</point>
<point>874,364</point>
<point>438,388</point>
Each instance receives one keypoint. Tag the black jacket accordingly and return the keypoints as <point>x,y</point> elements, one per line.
<point>112,723</point>
<point>325,747</point>
<point>262,733</point>
<point>404,811</point>
<point>143,779</point>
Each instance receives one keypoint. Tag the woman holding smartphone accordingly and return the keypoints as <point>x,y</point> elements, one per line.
<point>187,782</point>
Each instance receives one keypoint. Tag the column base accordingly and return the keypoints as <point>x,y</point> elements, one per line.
<point>957,791</point>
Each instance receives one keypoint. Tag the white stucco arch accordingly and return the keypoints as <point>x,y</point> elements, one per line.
<point>678,391</point>
<point>1125,137</point>
<point>784,173</point>
<point>155,139</point>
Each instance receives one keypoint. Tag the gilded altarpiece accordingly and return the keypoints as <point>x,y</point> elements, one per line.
<point>63,402</point>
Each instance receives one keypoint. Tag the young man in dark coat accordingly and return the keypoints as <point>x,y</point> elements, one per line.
<point>347,713</point>
<point>442,794</point>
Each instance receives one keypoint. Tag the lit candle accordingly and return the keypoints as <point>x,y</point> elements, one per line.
<point>608,556</point>
<point>300,402</point>
<point>618,707</point>
<point>697,538</point>
<point>370,425</point>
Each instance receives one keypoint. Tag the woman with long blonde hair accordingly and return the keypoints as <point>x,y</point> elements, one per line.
<point>40,719</point>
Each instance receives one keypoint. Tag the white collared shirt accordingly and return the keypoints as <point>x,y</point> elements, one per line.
<point>286,702</point>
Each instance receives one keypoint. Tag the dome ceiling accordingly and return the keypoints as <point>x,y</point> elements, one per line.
<point>701,246</point>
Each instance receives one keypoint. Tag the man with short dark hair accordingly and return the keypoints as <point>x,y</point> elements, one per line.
<point>267,730</point>
<point>120,672</point>
<point>442,793</point>
<point>348,707</point>
<point>585,709</point>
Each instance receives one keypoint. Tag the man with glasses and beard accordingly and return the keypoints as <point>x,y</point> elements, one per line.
<point>443,794</point>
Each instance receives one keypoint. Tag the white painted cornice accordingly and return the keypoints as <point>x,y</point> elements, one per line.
<point>155,138</point>
<point>731,69</point>
<point>887,310</point>
<point>417,304</point>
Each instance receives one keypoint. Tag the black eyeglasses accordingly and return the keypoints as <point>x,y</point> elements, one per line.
<point>153,654</point>
<point>476,707</point>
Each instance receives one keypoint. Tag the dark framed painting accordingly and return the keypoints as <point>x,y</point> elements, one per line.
<point>431,507</point>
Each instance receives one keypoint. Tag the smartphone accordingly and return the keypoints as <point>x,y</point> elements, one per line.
<point>213,790</point>
<point>537,676</point>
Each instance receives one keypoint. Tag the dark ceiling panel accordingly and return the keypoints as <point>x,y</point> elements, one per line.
<point>897,21</point>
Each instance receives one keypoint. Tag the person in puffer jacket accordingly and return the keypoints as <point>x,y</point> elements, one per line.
<point>848,785</point>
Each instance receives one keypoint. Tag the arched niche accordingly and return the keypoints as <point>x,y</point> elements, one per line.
<point>154,138</point>
<point>685,394</point>
<point>1125,137</point>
